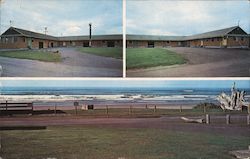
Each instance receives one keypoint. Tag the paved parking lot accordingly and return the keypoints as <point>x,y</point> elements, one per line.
<point>202,62</point>
<point>74,64</point>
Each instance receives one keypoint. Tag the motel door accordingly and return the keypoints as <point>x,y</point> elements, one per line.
<point>201,43</point>
<point>29,43</point>
<point>224,42</point>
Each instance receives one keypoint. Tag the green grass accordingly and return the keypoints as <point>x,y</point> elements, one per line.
<point>113,143</point>
<point>107,52</point>
<point>33,55</point>
<point>141,112</point>
<point>151,57</point>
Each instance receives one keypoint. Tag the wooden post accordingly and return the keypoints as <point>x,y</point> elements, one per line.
<point>180,108</point>
<point>55,109</point>
<point>155,109</point>
<point>204,108</point>
<point>130,109</point>
<point>249,109</point>
<point>6,105</point>
<point>207,119</point>
<point>248,119</point>
<point>76,110</point>
<point>146,106</point>
<point>227,119</point>
<point>107,111</point>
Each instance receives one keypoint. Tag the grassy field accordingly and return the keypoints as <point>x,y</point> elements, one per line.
<point>33,55</point>
<point>151,57</point>
<point>107,52</point>
<point>116,143</point>
<point>139,112</point>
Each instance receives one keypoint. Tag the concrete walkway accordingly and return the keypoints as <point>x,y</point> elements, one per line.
<point>74,64</point>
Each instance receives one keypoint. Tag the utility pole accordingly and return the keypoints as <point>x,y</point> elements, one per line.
<point>45,30</point>
<point>90,34</point>
<point>11,22</point>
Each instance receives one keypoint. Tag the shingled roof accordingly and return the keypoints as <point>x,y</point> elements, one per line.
<point>154,37</point>
<point>93,37</point>
<point>32,34</point>
<point>211,34</point>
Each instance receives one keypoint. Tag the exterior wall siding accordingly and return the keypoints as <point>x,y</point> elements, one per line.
<point>20,43</point>
<point>232,42</point>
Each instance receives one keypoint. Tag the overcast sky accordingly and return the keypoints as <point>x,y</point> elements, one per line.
<point>63,17</point>
<point>163,17</point>
<point>127,83</point>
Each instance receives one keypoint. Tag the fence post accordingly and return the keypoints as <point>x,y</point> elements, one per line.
<point>204,108</point>
<point>107,111</point>
<point>155,109</point>
<point>6,105</point>
<point>130,109</point>
<point>227,119</point>
<point>248,119</point>
<point>55,109</point>
<point>180,108</point>
<point>207,119</point>
<point>249,109</point>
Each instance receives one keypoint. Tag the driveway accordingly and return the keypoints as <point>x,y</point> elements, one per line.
<point>202,63</point>
<point>74,64</point>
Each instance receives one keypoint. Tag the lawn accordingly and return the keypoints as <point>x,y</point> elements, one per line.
<point>107,52</point>
<point>33,55</point>
<point>151,57</point>
<point>116,143</point>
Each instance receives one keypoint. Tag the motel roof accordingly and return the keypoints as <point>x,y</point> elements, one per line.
<point>12,31</point>
<point>21,32</point>
<point>211,34</point>
<point>154,37</point>
<point>93,37</point>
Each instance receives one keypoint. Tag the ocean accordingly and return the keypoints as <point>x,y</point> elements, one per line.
<point>114,95</point>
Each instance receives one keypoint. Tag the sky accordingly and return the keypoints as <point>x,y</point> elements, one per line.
<point>63,17</point>
<point>125,83</point>
<point>188,17</point>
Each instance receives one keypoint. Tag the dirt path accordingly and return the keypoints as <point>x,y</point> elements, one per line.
<point>74,64</point>
<point>202,63</point>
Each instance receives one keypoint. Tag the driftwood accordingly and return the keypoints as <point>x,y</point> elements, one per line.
<point>234,102</point>
<point>242,154</point>
<point>189,120</point>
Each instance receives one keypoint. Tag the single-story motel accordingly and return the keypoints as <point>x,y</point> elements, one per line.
<point>15,38</point>
<point>233,37</point>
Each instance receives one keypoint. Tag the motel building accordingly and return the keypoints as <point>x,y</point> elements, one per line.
<point>233,37</point>
<point>15,38</point>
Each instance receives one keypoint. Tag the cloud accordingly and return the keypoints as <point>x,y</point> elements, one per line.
<point>185,17</point>
<point>63,16</point>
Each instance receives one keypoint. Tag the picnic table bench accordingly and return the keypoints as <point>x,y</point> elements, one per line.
<point>15,108</point>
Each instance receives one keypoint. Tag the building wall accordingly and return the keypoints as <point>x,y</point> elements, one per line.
<point>157,44</point>
<point>212,42</point>
<point>95,43</point>
<point>23,42</point>
<point>237,42</point>
<point>19,43</point>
